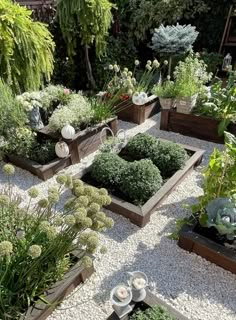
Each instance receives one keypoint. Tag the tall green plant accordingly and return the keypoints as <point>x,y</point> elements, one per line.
<point>26,48</point>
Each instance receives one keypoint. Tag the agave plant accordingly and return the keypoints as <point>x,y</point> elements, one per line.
<point>221,214</point>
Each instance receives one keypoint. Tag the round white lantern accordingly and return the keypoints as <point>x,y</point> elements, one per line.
<point>68,132</point>
<point>62,149</point>
<point>139,98</point>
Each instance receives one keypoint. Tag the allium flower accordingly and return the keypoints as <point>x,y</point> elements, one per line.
<point>79,191</point>
<point>116,68</point>
<point>155,63</point>
<point>6,248</point>
<point>80,216</point>
<point>149,62</point>
<point>33,192</point>
<point>148,67</point>
<point>130,92</point>
<point>70,220</point>
<point>87,262</point>
<point>92,241</point>
<point>34,251</point>
<point>77,183</point>
<point>58,221</point>
<point>8,169</point>
<point>100,216</point>
<point>124,74</point>
<point>20,234</point>
<point>61,179</point>
<point>126,70</point>
<point>136,62</point>
<point>104,200</point>
<point>110,67</point>
<point>130,73</point>
<point>53,197</point>
<point>168,77</point>
<point>133,81</point>
<point>94,207</point>
<point>88,190</point>
<point>43,203</point>
<point>165,62</point>
<point>44,225</point>
<point>87,223</point>
<point>83,201</point>
<point>4,200</point>
<point>51,232</point>
<point>103,192</point>
<point>103,250</point>
<point>109,223</point>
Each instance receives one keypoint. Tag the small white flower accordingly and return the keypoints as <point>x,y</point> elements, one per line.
<point>148,67</point>
<point>136,62</point>
<point>168,77</point>
<point>165,62</point>
<point>126,70</point>
<point>155,63</point>
<point>110,67</point>
<point>130,73</point>
<point>116,68</point>
<point>149,62</point>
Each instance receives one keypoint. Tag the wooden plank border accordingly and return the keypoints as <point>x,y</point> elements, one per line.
<point>207,248</point>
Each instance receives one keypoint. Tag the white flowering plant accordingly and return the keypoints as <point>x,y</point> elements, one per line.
<point>123,83</point>
<point>36,241</point>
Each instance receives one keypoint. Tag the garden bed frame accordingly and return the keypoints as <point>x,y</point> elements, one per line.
<point>140,215</point>
<point>127,111</point>
<point>58,292</point>
<point>84,143</point>
<point>207,248</point>
<point>199,127</point>
<point>150,301</point>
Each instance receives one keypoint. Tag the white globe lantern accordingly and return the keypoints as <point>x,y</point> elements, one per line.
<point>62,149</point>
<point>68,132</point>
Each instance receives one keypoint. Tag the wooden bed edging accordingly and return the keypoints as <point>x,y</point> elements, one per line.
<point>150,301</point>
<point>127,111</point>
<point>191,125</point>
<point>140,215</point>
<point>207,249</point>
<point>58,292</point>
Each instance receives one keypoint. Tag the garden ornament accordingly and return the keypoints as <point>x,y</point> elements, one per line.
<point>120,298</point>
<point>138,282</point>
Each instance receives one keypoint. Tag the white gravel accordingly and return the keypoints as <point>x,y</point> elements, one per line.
<point>194,286</point>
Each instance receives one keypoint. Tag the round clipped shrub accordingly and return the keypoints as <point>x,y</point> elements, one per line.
<point>107,168</point>
<point>140,181</point>
<point>141,146</point>
<point>166,155</point>
<point>169,157</point>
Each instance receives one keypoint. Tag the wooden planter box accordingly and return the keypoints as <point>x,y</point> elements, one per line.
<point>55,295</point>
<point>150,301</point>
<point>194,126</point>
<point>207,248</point>
<point>86,141</point>
<point>127,111</point>
<point>43,172</point>
<point>140,215</point>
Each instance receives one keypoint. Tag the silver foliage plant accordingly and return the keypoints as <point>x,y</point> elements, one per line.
<point>174,39</point>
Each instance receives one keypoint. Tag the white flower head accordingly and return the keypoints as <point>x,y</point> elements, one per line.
<point>110,67</point>
<point>116,68</point>
<point>136,62</point>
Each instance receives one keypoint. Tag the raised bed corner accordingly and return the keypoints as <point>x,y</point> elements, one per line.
<point>150,301</point>
<point>55,295</point>
<point>127,111</point>
<point>140,215</point>
<point>195,126</point>
<point>207,249</point>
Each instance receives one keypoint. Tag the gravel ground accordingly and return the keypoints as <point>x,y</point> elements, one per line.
<point>194,286</point>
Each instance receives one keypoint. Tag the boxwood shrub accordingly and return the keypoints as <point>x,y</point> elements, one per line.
<point>140,180</point>
<point>166,155</point>
<point>107,168</point>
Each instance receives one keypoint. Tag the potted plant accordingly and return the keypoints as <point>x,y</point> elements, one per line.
<point>190,76</point>
<point>165,92</point>
<point>38,248</point>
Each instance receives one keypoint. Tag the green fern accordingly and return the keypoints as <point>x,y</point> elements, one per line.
<point>26,48</point>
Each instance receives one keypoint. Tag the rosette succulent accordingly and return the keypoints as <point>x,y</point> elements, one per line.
<point>221,214</point>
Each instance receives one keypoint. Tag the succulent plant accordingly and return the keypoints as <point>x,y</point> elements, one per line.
<point>221,214</point>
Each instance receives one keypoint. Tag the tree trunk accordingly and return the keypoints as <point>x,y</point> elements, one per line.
<point>89,69</point>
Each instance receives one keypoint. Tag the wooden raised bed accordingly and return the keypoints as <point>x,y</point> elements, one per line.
<point>86,141</point>
<point>207,248</point>
<point>43,172</point>
<point>150,301</point>
<point>192,125</point>
<point>127,111</point>
<point>140,215</point>
<point>55,295</point>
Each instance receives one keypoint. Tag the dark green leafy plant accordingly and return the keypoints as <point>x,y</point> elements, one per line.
<point>212,59</point>
<point>43,152</point>
<point>140,180</point>
<point>167,156</point>
<point>154,313</point>
<point>107,169</point>
<point>35,246</point>
<point>26,48</point>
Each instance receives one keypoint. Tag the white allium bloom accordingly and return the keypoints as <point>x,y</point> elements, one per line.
<point>136,62</point>
<point>148,67</point>
<point>116,68</point>
<point>149,62</point>
<point>155,63</point>
<point>165,62</point>
<point>126,70</point>
<point>110,67</point>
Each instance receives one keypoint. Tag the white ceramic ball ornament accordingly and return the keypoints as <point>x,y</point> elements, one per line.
<point>139,98</point>
<point>68,132</point>
<point>62,149</point>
